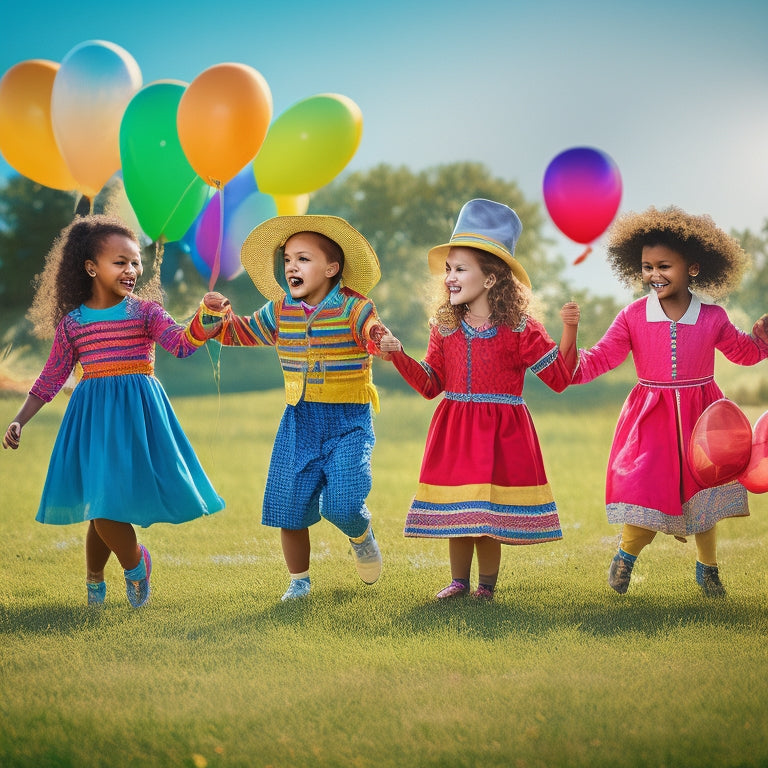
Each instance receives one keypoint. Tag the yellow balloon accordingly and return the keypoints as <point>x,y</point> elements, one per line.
<point>27,141</point>
<point>291,205</point>
<point>308,145</point>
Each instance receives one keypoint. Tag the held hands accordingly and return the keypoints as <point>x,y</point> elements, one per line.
<point>12,435</point>
<point>384,342</point>
<point>215,303</point>
<point>214,307</point>
<point>570,314</point>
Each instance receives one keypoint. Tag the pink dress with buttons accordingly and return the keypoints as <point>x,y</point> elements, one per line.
<point>649,482</point>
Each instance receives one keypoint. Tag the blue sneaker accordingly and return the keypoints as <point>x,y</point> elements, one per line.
<point>97,592</point>
<point>708,578</point>
<point>367,558</point>
<point>137,590</point>
<point>620,573</point>
<point>296,589</point>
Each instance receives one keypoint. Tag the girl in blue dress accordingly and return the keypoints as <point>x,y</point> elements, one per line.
<point>120,457</point>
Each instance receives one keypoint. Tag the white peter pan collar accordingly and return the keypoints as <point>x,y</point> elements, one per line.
<point>655,314</point>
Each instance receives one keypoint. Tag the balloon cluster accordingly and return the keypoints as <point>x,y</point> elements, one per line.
<point>73,125</point>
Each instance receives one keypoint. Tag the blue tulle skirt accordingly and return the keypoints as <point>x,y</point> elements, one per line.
<point>121,454</point>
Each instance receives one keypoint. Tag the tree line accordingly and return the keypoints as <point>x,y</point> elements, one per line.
<point>402,213</point>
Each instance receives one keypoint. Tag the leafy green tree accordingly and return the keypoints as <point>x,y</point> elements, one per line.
<point>30,218</point>
<point>403,214</point>
<point>752,296</point>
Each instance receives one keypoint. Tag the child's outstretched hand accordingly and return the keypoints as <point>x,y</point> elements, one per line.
<point>384,342</point>
<point>215,302</point>
<point>570,313</point>
<point>12,435</point>
<point>760,329</point>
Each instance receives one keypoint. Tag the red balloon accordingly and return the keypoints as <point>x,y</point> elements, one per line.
<point>720,445</point>
<point>582,192</point>
<point>755,477</point>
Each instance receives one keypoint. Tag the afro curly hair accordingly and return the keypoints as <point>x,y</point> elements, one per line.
<point>721,259</point>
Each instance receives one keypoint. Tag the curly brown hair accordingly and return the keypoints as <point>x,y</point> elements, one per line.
<point>721,259</point>
<point>64,284</point>
<point>509,299</point>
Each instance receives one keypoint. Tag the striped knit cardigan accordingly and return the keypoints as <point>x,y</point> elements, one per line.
<point>325,356</point>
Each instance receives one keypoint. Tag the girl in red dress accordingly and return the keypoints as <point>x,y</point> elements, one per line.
<point>482,480</point>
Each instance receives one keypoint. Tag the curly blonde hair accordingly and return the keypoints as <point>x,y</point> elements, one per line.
<point>721,259</point>
<point>509,299</point>
<point>64,284</point>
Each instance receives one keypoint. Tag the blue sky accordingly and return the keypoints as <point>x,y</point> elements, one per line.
<point>676,92</point>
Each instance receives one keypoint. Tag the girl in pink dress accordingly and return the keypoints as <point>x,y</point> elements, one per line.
<point>672,335</point>
<point>482,480</point>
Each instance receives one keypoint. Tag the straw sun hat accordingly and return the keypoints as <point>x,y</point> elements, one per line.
<point>262,246</point>
<point>486,225</point>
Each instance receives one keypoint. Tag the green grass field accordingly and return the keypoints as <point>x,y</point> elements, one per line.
<point>215,671</point>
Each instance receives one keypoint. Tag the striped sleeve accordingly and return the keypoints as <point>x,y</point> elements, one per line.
<point>256,330</point>
<point>59,365</point>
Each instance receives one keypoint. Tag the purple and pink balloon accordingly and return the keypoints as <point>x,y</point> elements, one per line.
<point>223,225</point>
<point>582,192</point>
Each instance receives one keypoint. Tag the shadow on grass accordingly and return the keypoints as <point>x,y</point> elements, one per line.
<point>348,611</point>
<point>47,619</point>
<point>649,616</point>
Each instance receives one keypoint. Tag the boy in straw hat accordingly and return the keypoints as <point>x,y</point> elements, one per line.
<point>325,330</point>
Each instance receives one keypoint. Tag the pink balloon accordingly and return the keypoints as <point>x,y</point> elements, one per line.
<point>755,477</point>
<point>720,444</point>
<point>582,192</point>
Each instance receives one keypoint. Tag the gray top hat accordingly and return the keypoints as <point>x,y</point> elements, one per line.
<point>488,226</point>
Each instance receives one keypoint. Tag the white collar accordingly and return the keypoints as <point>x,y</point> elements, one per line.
<point>655,314</point>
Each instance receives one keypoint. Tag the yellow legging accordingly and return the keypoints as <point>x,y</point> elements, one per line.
<point>634,538</point>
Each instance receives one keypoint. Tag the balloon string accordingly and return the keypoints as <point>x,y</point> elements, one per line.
<point>216,368</point>
<point>159,253</point>
<point>583,255</point>
<point>175,208</point>
<point>217,258</point>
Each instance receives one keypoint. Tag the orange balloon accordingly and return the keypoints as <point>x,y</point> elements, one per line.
<point>222,120</point>
<point>27,141</point>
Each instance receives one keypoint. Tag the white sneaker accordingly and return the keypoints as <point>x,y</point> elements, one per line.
<point>297,589</point>
<point>367,558</point>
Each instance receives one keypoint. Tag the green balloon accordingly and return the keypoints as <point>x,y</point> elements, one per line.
<point>162,187</point>
<point>308,145</point>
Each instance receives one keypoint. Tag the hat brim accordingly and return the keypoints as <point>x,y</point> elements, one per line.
<point>361,265</point>
<point>437,256</point>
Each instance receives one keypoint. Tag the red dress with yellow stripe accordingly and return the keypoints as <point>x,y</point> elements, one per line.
<point>483,472</point>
